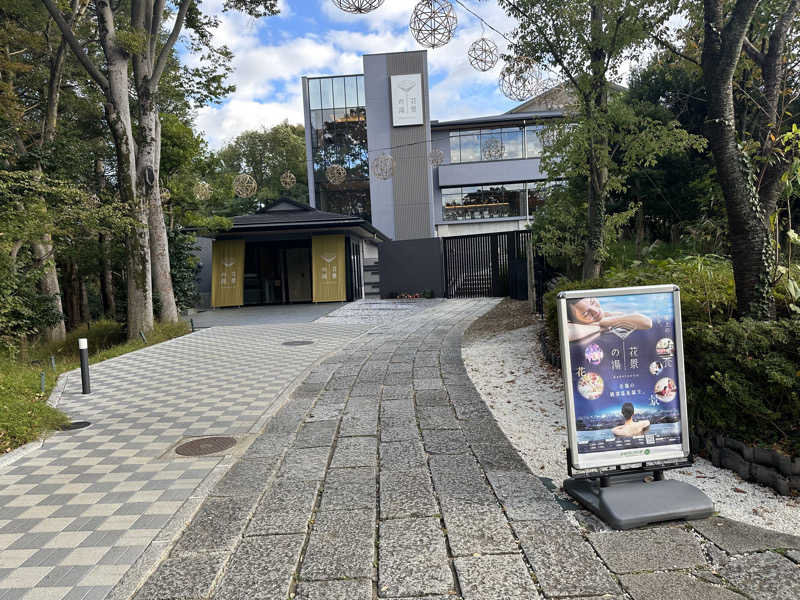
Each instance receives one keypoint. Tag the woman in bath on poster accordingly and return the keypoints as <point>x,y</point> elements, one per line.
<point>586,317</point>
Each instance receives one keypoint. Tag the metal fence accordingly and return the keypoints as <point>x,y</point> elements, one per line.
<point>479,265</point>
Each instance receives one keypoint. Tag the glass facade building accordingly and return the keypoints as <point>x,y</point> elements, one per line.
<point>338,131</point>
<point>495,201</point>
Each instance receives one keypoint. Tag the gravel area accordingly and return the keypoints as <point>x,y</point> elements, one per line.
<point>527,398</point>
<point>377,311</point>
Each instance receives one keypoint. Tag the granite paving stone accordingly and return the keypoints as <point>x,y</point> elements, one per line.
<point>341,545</point>
<point>402,391</point>
<point>304,464</point>
<point>355,452</point>
<point>400,433</point>
<point>403,455</point>
<point>498,456</point>
<point>316,434</point>
<point>675,586</point>
<point>351,475</point>
<point>437,417</point>
<point>476,527</point>
<point>187,577</point>
<point>407,494</point>
<point>261,568</point>
<point>524,497</point>
<point>428,384</point>
<point>495,577</point>
<point>338,495</point>
<point>217,526</point>
<point>460,477</point>
<point>794,555</point>
<point>334,590</point>
<point>432,398</point>
<point>764,576</point>
<point>285,508</point>
<point>737,537</point>
<point>658,548</point>
<point>371,389</point>
<point>247,477</point>
<point>405,571</point>
<point>446,441</point>
<point>270,444</point>
<point>563,562</point>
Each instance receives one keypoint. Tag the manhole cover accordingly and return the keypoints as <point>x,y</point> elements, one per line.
<point>75,425</point>
<point>298,343</point>
<point>203,446</point>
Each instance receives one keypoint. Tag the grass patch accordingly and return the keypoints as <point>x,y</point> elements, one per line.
<point>24,412</point>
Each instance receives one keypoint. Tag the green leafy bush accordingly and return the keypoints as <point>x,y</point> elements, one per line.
<point>743,380</point>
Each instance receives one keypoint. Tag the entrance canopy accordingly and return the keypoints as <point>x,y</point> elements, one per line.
<point>291,253</point>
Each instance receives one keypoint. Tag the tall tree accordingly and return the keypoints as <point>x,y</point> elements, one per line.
<point>137,43</point>
<point>585,42</point>
<point>750,177</point>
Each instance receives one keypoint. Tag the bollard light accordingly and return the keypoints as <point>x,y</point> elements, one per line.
<point>83,348</point>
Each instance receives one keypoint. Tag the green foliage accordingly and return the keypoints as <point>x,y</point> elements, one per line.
<point>183,265</point>
<point>743,380</point>
<point>24,413</point>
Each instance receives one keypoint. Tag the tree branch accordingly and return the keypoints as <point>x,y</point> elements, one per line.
<point>168,45</point>
<point>753,52</point>
<point>70,38</point>
<point>155,27</point>
<point>672,48</point>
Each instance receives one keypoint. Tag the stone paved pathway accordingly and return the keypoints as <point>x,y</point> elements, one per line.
<point>385,476</point>
<point>79,512</point>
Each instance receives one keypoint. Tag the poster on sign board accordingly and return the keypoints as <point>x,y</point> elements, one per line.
<point>622,361</point>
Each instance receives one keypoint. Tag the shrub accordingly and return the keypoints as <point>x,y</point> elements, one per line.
<point>743,380</point>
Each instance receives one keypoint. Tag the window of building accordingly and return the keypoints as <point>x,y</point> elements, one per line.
<point>512,142</point>
<point>339,136</point>
<point>494,201</point>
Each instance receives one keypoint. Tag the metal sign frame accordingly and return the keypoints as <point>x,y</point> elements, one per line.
<point>613,458</point>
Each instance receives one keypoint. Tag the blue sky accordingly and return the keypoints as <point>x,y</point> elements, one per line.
<point>314,37</point>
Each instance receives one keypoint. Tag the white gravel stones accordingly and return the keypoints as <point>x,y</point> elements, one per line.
<point>526,397</point>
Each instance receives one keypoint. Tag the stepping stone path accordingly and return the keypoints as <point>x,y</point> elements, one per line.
<point>386,476</point>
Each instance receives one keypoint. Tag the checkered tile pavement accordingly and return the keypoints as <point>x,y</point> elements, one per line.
<point>76,514</point>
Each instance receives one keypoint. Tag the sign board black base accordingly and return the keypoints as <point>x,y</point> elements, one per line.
<point>628,501</point>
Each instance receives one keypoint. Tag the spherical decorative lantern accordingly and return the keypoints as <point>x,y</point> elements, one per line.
<point>493,149</point>
<point>358,6</point>
<point>482,54</point>
<point>382,167</point>
<point>288,180</point>
<point>436,157</point>
<point>433,23</point>
<point>335,174</point>
<point>165,194</point>
<point>201,191</point>
<point>244,185</point>
<point>520,80</point>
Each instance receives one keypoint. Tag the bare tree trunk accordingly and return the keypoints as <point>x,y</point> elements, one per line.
<point>748,224</point>
<point>72,295</point>
<point>118,116</point>
<point>149,155</point>
<point>106,281</point>
<point>86,315</point>
<point>42,252</point>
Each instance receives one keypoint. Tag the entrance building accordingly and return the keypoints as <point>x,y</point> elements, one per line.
<point>289,253</point>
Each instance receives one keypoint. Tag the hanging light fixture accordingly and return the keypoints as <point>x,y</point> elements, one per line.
<point>436,157</point>
<point>335,174</point>
<point>201,191</point>
<point>382,167</point>
<point>358,6</point>
<point>520,79</point>
<point>244,185</point>
<point>482,54</point>
<point>433,23</point>
<point>288,180</point>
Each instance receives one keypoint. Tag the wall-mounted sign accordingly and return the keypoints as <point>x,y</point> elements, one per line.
<point>407,100</point>
<point>622,361</point>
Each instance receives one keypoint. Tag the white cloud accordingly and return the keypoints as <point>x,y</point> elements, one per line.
<point>221,124</point>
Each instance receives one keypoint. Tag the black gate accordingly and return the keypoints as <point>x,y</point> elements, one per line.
<point>479,265</point>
